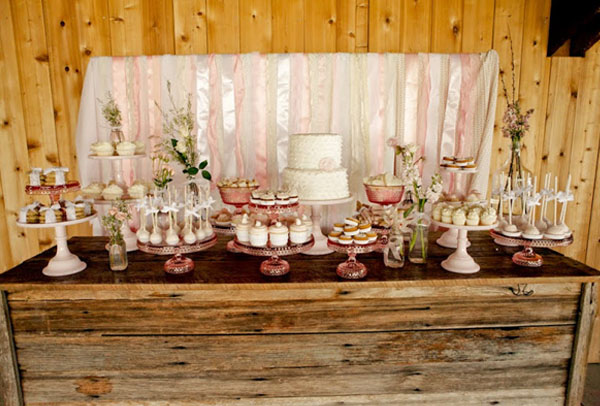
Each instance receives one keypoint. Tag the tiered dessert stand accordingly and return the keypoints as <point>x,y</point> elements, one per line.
<point>460,261</point>
<point>64,262</point>
<point>274,266</point>
<point>351,268</point>
<point>117,172</point>
<point>527,257</point>
<point>179,264</point>
<point>321,247</point>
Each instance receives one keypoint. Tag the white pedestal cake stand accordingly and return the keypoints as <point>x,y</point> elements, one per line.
<point>460,261</point>
<point>117,169</point>
<point>64,262</point>
<point>320,247</point>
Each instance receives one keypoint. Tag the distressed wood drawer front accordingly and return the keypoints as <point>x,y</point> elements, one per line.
<point>301,311</point>
<point>356,368</point>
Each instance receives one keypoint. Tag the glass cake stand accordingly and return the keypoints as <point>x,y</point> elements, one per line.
<point>179,264</point>
<point>460,261</point>
<point>321,247</point>
<point>274,266</point>
<point>236,196</point>
<point>64,262</point>
<point>351,268</point>
<point>527,257</point>
<point>54,191</point>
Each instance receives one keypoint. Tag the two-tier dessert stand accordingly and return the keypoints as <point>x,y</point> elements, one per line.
<point>179,264</point>
<point>64,262</point>
<point>320,247</point>
<point>460,261</point>
<point>527,257</point>
<point>274,266</point>
<point>117,173</point>
<point>351,268</point>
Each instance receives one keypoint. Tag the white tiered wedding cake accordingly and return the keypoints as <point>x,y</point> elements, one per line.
<point>314,167</point>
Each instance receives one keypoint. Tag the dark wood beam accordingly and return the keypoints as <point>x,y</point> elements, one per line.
<point>574,21</point>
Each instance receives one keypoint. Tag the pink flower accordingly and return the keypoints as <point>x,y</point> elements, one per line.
<point>121,216</point>
<point>392,142</point>
<point>113,211</point>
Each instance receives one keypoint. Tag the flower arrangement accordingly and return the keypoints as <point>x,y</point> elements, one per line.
<point>162,173</point>
<point>114,219</point>
<point>111,111</point>
<point>180,142</point>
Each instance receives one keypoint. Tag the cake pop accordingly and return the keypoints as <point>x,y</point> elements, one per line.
<point>510,229</point>
<point>564,198</point>
<point>142,234</point>
<point>530,231</point>
<point>156,235</point>
<point>555,232</point>
<point>540,224</point>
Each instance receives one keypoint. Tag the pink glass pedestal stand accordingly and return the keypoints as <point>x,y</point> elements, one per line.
<point>460,261</point>
<point>179,264</point>
<point>527,257</point>
<point>274,266</point>
<point>320,247</point>
<point>351,268</point>
<point>236,196</point>
<point>64,262</point>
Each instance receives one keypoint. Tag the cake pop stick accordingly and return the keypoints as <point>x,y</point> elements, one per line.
<point>555,196</point>
<point>500,208</point>
<point>532,214</point>
<point>563,209</point>
<point>510,200</point>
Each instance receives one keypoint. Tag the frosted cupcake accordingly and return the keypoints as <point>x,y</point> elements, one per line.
<point>437,211</point>
<point>137,191</point>
<point>140,147</point>
<point>259,235</point>
<point>242,229</point>
<point>102,148</point>
<point>298,232</point>
<point>278,234</point>
<point>459,218</point>
<point>112,192</point>
<point>447,215</point>
<point>126,148</point>
<point>94,190</point>
<point>473,218</point>
<point>488,216</point>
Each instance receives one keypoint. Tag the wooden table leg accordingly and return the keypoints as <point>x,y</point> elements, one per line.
<point>581,346</point>
<point>10,383</point>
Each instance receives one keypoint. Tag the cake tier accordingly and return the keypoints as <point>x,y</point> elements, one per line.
<point>317,184</point>
<point>315,151</point>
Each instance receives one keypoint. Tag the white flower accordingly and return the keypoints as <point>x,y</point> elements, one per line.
<point>181,147</point>
<point>411,148</point>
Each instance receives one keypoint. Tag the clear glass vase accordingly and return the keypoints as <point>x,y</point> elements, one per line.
<point>393,252</point>
<point>417,245</point>
<point>116,135</point>
<point>117,255</point>
<point>513,169</point>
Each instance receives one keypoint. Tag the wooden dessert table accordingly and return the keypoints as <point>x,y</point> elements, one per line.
<point>226,335</point>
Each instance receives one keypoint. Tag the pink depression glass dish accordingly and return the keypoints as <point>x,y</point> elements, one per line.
<point>236,196</point>
<point>527,257</point>
<point>384,195</point>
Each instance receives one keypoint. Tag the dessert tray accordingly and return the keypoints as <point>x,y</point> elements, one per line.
<point>236,196</point>
<point>460,261</point>
<point>64,262</point>
<point>179,264</point>
<point>321,247</point>
<point>351,268</point>
<point>527,257</point>
<point>274,266</point>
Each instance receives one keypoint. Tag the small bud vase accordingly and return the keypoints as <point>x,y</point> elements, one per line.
<point>117,255</point>
<point>393,252</point>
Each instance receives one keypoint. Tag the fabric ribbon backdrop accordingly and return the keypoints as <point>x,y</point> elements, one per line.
<point>247,105</point>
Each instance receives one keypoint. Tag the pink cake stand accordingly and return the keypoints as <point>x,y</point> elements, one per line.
<point>53,191</point>
<point>274,266</point>
<point>527,257</point>
<point>179,264</point>
<point>320,247</point>
<point>460,261</point>
<point>236,196</point>
<point>351,268</point>
<point>388,197</point>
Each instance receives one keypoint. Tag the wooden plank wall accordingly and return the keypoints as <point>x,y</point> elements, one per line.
<point>45,46</point>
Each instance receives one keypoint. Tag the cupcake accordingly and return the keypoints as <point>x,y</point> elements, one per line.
<point>138,190</point>
<point>473,218</point>
<point>267,199</point>
<point>334,236</point>
<point>361,239</point>
<point>278,235</point>
<point>488,216</point>
<point>140,147</point>
<point>372,236</point>
<point>309,225</point>
<point>299,232</point>
<point>447,215</point>
<point>94,190</point>
<point>112,192</point>
<point>126,148</point>
<point>102,148</point>
<point>259,235</point>
<point>458,217</point>
<point>436,213</point>
<point>338,227</point>
<point>345,240</point>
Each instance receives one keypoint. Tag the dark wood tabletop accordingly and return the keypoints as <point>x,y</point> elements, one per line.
<point>218,268</point>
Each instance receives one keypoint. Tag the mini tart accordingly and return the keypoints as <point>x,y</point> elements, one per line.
<point>351,221</point>
<point>345,240</point>
<point>338,227</point>
<point>361,239</point>
<point>334,236</point>
<point>350,230</point>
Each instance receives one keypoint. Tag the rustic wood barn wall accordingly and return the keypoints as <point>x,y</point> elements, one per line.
<point>45,46</point>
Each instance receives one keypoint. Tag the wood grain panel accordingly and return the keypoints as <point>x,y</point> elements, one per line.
<point>255,25</point>
<point>345,24</point>
<point>93,19</point>
<point>267,366</point>
<point>10,380</point>
<point>223,23</point>
<point>288,26</point>
<point>446,26</point>
<point>190,26</point>
<point>385,20</point>
<point>171,316</point>
<point>415,34</point>
<point>477,32</point>
<point>320,22</point>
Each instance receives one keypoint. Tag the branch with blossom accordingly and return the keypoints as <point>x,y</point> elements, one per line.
<point>111,111</point>
<point>114,219</point>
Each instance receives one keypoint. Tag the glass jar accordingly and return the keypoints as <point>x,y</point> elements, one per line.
<point>419,236</point>
<point>116,135</point>
<point>393,252</point>
<point>514,169</point>
<point>117,255</point>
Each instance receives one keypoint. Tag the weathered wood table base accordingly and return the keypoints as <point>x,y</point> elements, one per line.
<point>225,335</point>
